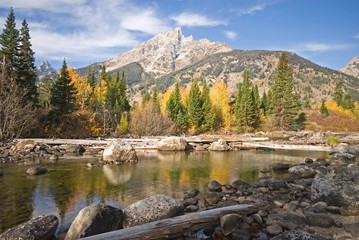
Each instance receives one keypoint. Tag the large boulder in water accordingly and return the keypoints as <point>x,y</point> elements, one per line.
<point>119,151</point>
<point>151,209</point>
<point>41,227</point>
<point>219,146</point>
<point>95,219</point>
<point>36,171</point>
<point>172,144</point>
<point>338,188</point>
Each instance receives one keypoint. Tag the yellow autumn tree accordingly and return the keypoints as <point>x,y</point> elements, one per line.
<point>163,99</point>
<point>99,104</point>
<point>84,90</point>
<point>220,100</point>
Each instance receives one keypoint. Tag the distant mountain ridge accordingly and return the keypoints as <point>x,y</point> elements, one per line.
<point>169,56</point>
<point>45,70</point>
<point>352,68</point>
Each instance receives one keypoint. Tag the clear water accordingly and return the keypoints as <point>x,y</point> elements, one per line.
<point>70,185</point>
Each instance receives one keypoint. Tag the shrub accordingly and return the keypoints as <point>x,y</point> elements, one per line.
<point>332,140</point>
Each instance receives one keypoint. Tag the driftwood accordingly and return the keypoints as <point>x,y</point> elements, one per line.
<point>276,146</point>
<point>177,226</point>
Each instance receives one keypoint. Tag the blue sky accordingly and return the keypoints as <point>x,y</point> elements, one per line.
<point>87,31</point>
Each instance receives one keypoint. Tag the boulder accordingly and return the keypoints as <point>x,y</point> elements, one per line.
<point>302,171</point>
<point>95,219</point>
<point>172,144</point>
<point>280,167</point>
<point>24,145</point>
<point>151,209</point>
<point>323,220</point>
<point>219,146</point>
<point>274,229</point>
<point>230,222</point>
<point>40,228</point>
<point>119,151</point>
<point>240,185</point>
<point>212,198</point>
<point>191,193</point>
<point>36,171</point>
<point>286,220</point>
<point>338,188</point>
<point>214,186</point>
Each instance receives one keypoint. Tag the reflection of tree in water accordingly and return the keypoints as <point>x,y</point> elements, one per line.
<point>15,197</point>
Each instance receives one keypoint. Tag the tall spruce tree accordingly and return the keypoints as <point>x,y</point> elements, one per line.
<point>91,77</point>
<point>9,42</point>
<point>209,116</point>
<point>26,73</point>
<point>176,110</point>
<point>285,102</point>
<point>246,106</point>
<point>338,94</point>
<point>62,94</point>
<point>194,106</point>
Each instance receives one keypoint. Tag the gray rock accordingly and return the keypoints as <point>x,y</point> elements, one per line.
<point>190,201</point>
<point>286,220</point>
<point>302,171</point>
<point>323,220</point>
<point>212,198</point>
<point>274,229</point>
<point>240,234</point>
<point>280,167</point>
<point>297,235</point>
<point>219,146</point>
<point>214,186</point>
<point>240,185</point>
<point>230,222</point>
<point>276,184</point>
<point>54,158</point>
<point>191,193</point>
<point>95,219</point>
<point>119,150</point>
<point>353,228</point>
<point>257,218</point>
<point>151,209</point>
<point>172,144</point>
<point>191,208</point>
<point>39,228</point>
<point>36,171</point>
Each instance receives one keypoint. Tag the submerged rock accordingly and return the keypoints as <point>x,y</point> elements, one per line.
<point>41,228</point>
<point>36,171</point>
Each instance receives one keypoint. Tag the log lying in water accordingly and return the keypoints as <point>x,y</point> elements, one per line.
<point>177,226</point>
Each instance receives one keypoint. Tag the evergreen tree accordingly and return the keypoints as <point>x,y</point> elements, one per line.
<point>264,104</point>
<point>91,77</point>
<point>338,93</point>
<point>26,74</point>
<point>146,98</point>
<point>209,116</point>
<point>323,109</point>
<point>176,110</point>
<point>246,112</point>
<point>122,95</point>
<point>347,102</point>
<point>155,98</point>
<point>103,74</point>
<point>62,94</point>
<point>9,42</point>
<point>285,103</point>
<point>194,107</point>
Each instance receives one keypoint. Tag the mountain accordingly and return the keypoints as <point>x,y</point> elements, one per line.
<point>169,56</point>
<point>45,70</point>
<point>352,68</point>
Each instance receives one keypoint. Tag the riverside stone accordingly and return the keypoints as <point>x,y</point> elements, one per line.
<point>172,144</point>
<point>214,186</point>
<point>120,151</point>
<point>280,167</point>
<point>40,228</point>
<point>219,146</point>
<point>230,222</point>
<point>36,171</point>
<point>95,219</point>
<point>151,209</point>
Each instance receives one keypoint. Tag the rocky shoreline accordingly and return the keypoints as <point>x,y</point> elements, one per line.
<point>319,200</point>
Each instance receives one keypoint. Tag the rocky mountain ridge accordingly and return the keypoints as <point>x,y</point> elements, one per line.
<point>45,70</point>
<point>352,68</point>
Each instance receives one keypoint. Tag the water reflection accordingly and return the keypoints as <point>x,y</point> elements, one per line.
<point>70,185</point>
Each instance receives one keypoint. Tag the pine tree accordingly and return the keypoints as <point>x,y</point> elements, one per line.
<point>9,42</point>
<point>285,103</point>
<point>264,104</point>
<point>323,109</point>
<point>246,112</point>
<point>176,110</point>
<point>347,102</point>
<point>209,116</point>
<point>194,106</point>
<point>338,93</point>
<point>63,94</point>
<point>103,74</point>
<point>91,77</point>
<point>26,73</point>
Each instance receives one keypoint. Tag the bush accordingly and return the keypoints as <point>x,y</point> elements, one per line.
<point>332,140</point>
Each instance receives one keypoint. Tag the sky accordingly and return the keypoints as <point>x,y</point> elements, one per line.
<point>86,31</point>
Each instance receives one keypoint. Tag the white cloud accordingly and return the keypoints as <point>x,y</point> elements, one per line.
<point>321,47</point>
<point>231,35</point>
<point>85,30</point>
<point>356,36</point>
<point>251,10</point>
<point>196,20</point>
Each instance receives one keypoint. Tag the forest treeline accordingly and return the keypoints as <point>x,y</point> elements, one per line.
<point>73,106</point>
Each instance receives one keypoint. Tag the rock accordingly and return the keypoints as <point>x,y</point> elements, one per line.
<point>274,229</point>
<point>323,220</point>
<point>230,222</point>
<point>151,209</point>
<point>41,228</point>
<point>36,171</point>
<point>54,158</point>
<point>280,167</point>
<point>119,150</point>
<point>214,186</point>
<point>219,146</point>
<point>190,201</point>
<point>279,203</point>
<point>302,171</point>
<point>344,157</point>
<point>321,162</point>
<point>90,165</point>
<point>338,189</point>
<point>353,228</point>
<point>191,208</point>
<point>240,234</point>
<point>286,220</point>
<point>212,198</point>
<point>257,218</point>
<point>172,144</point>
<point>191,193</point>
<point>297,235</point>
<point>24,145</point>
<point>276,184</point>
<point>75,149</point>
<point>95,219</point>
<point>308,161</point>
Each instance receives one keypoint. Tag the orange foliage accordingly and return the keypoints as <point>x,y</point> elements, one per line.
<point>83,88</point>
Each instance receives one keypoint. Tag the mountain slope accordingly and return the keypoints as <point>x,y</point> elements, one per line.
<point>45,70</point>
<point>352,68</point>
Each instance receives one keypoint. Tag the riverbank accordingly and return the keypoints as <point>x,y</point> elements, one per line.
<point>318,200</point>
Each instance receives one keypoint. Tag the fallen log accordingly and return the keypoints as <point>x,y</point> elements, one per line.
<point>177,226</point>
<point>277,146</point>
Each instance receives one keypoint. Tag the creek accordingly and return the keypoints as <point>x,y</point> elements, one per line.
<point>70,185</point>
